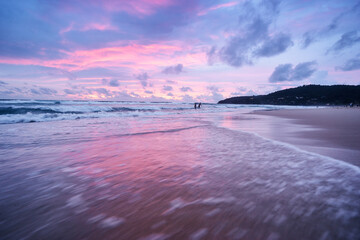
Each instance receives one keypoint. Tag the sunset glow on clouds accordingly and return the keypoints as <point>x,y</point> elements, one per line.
<point>174,50</point>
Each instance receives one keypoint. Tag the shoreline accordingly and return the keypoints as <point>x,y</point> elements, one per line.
<point>333,131</point>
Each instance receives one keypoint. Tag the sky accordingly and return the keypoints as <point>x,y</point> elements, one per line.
<point>174,50</point>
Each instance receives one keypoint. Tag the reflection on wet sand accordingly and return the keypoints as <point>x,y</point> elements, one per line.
<point>198,182</point>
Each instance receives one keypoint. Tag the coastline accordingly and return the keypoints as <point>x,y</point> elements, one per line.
<point>331,131</point>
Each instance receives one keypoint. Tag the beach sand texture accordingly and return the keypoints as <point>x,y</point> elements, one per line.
<point>331,131</point>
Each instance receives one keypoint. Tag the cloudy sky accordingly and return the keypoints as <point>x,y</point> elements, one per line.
<point>174,50</point>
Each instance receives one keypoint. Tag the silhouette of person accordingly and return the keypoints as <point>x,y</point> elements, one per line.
<point>199,105</point>
<point>195,105</point>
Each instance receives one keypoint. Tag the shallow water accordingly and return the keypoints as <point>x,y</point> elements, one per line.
<point>169,176</point>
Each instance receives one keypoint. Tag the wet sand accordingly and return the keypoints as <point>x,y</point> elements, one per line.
<point>333,132</point>
<point>197,177</point>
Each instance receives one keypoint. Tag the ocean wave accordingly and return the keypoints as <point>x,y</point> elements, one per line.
<point>67,110</point>
<point>25,111</point>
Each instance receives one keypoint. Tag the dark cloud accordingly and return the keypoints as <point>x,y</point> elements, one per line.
<point>34,91</point>
<point>135,95</point>
<point>237,51</point>
<point>171,82</point>
<point>170,94</point>
<point>167,88</point>
<point>351,15</point>
<point>143,77</point>
<point>149,92</point>
<point>282,73</point>
<point>213,89</point>
<point>286,72</point>
<point>101,91</point>
<point>308,38</point>
<point>253,38</point>
<point>347,40</point>
<point>176,69</point>
<point>3,83</point>
<point>212,55</point>
<point>303,71</point>
<point>274,46</point>
<point>186,89</point>
<point>7,92</point>
<point>43,91</point>
<point>350,65</point>
<point>114,83</point>
<point>17,90</point>
<point>68,91</point>
<point>110,82</point>
<point>47,91</point>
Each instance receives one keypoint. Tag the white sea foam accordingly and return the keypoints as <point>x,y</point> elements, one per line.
<point>158,224</point>
<point>75,201</point>
<point>310,154</point>
<point>111,222</point>
<point>213,212</point>
<point>43,111</point>
<point>237,233</point>
<point>175,204</point>
<point>273,236</point>
<point>199,234</point>
<point>96,218</point>
<point>155,236</point>
<point>218,200</point>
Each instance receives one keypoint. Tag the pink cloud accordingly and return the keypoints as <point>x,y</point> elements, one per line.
<point>140,7</point>
<point>223,5</point>
<point>101,26</point>
<point>98,26</point>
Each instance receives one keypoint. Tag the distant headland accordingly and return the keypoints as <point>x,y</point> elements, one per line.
<point>307,95</point>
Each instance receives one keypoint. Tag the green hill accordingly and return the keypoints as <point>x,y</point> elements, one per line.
<point>310,95</point>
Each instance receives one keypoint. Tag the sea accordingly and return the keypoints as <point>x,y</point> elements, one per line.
<point>154,171</point>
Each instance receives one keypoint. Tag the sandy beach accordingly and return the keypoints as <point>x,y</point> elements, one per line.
<point>332,131</point>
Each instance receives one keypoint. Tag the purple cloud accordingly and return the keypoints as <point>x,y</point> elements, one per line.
<point>114,83</point>
<point>253,37</point>
<point>274,46</point>
<point>286,72</point>
<point>350,65</point>
<point>143,77</point>
<point>167,88</point>
<point>350,15</point>
<point>68,91</point>
<point>186,89</point>
<point>176,69</point>
<point>43,91</point>
<point>347,40</point>
<point>101,91</point>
